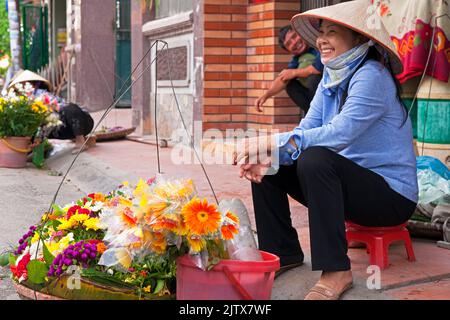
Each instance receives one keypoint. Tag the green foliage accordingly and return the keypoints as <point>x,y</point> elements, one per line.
<point>37,271</point>
<point>48,257</point>
<point>4,259</point>
<point>4,30</point>
<point>20,117</point>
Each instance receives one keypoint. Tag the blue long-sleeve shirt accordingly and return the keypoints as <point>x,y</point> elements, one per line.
<point>368,130</point>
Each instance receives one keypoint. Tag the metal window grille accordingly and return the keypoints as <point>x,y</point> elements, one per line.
<point>35,37</point>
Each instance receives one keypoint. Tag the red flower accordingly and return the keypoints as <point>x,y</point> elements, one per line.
<point>144,273</point>
<point>20,271</point>
<point>77,209</point>
<point>72,210</point>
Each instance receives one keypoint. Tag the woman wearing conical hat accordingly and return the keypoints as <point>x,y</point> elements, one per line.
<point>76,122</point>
<point>350,159</point>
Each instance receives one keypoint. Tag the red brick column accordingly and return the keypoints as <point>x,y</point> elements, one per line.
<point>265,60</point>
<point>225,69</point>
<point>241,59</point>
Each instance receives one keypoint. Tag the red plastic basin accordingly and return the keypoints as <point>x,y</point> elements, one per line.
<point>228,280</point>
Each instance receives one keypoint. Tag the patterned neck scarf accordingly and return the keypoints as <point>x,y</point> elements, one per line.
<point>341,68</point>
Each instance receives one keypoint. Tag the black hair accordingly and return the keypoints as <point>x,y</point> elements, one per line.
<point>374,54</point>
<point>282,36</point>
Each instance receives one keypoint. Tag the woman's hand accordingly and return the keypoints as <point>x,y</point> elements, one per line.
<point>254,172</point>
<point>253,150</point>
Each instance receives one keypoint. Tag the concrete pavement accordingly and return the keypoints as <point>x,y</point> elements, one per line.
<point>103,167</point>
<point>25,195</point>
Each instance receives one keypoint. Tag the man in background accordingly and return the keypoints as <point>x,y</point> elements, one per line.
<point>302,76</point>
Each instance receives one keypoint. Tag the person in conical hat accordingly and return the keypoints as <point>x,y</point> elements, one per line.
<point>77,123</point>
<point>29,76</point>
<point>350,159</point>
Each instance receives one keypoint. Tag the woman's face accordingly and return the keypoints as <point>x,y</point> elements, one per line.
<point>334,40</point>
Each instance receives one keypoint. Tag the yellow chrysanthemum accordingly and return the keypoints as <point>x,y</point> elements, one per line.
<point>201,218</point>
<point>141,188</point>
<point>53,247</point>
<point>92,223</point>
<point>56,248</point>
<point>65,224</point>
<point>143,203</point>
<point>35,237</point>
<point>76,218</point>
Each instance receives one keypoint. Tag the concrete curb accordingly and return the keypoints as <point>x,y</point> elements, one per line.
<point>88,173</point>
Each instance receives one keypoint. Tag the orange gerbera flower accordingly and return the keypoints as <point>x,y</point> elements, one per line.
<point>201,218</point>
<point>232,217</point>
<point>128,217</point>
<point>228,231</point>
<point>159,243</point>
<point>165,224</point>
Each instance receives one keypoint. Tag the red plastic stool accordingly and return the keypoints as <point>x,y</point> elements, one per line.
<point>378,241</point>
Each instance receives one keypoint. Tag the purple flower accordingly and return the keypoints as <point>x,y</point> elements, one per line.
<point>84,257</point>
<point>67,262</point>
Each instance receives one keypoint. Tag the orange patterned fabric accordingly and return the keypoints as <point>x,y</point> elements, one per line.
<point>411,24</point>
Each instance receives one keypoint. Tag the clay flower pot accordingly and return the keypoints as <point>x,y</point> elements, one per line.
<point>13,152</point>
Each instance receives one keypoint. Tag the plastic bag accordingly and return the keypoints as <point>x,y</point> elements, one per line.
<point>243,245</point>
<point>143,220</point>
<point>427,162</point>
<point>433,188</point>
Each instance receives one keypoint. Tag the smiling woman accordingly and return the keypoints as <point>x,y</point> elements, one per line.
<point>334,40</point>
<point>350,159</point>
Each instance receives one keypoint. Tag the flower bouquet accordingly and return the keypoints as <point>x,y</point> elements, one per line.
<point>123,245</point>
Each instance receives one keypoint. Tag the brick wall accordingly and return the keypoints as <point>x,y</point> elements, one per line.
<point>241,59</point>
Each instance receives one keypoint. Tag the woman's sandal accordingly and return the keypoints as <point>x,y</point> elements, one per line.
<point>324,292</point>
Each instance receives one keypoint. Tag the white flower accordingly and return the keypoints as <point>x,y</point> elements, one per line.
<point>98,206</point>
<point>34,248</point>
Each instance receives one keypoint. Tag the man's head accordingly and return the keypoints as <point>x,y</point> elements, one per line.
<point>290,41</point>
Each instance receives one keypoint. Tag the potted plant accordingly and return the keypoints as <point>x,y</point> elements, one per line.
<point>21,115</point>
